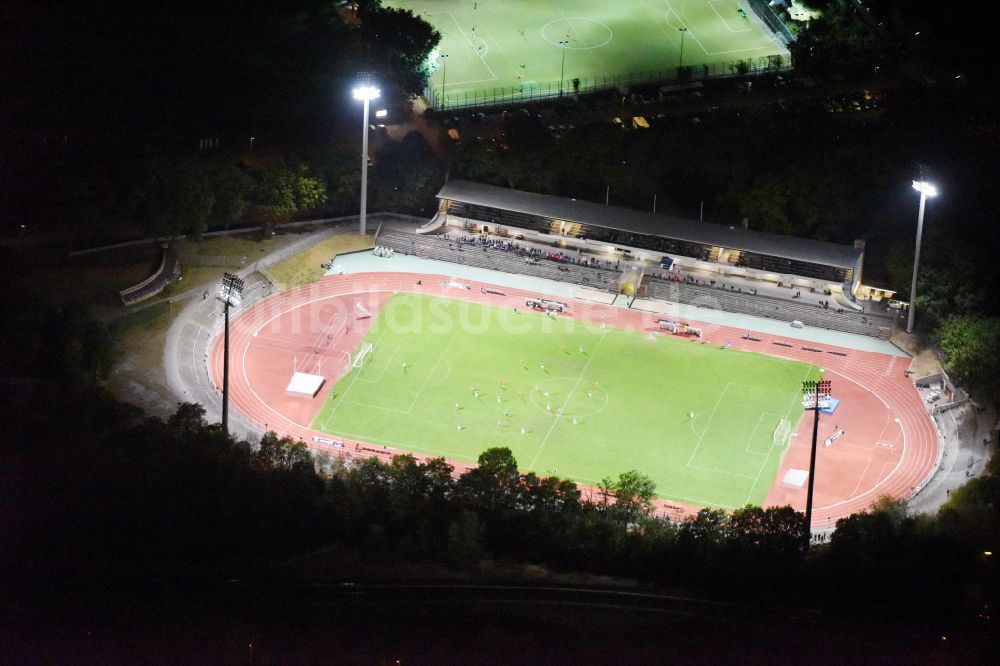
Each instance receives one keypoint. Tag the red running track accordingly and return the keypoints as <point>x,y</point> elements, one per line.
<point>889,446</point>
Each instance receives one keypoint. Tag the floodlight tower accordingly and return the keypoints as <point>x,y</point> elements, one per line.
<point>444,79</point>
<point>817,394</point>
<point>680,61</point>
<point>562,68</point>
<point>366,93</point>
<point>231,295</point>
<point>926,190</point>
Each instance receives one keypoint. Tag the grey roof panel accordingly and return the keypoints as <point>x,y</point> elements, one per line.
<point>627,220</point>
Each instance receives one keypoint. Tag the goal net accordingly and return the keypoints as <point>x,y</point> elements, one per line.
<point>781,433</point>
<point>361,312</point>
<point>366,351</point>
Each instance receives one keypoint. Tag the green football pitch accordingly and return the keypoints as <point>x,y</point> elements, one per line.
<point>513,49</point>
<point>453,378</point>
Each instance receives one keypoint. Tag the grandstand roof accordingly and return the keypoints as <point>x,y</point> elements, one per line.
<point>639,222</point>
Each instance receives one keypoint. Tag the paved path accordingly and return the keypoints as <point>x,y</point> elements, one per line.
<point>185,354</point>
<point>966,441</point>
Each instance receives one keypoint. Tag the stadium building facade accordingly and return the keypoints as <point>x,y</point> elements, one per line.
<point>612,231</point>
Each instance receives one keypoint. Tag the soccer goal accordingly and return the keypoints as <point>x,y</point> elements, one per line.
<point>360,311</point>
<point>367,350</point>
<point>781,433</point>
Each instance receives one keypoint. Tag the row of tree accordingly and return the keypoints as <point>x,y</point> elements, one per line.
<point>104,504</point>
<point>102,494</point>
<point>182,196</point>
<point>848,38</point>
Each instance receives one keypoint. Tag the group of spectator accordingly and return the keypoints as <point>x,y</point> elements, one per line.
<point>533,254</point>
<point>690,279</point>
<point>529,252</point>
<point>488,243</point>
<point>382,251</point>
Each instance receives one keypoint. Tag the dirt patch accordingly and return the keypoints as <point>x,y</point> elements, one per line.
<point>925,358</point>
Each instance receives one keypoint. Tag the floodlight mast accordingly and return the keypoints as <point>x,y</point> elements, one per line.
<point>562,68</point>
<point>366,93</point>
<point>444,79</point>
<point>812,390</point>
<point>926,190</point>
<point>680,60</point>
<point>231,294</point>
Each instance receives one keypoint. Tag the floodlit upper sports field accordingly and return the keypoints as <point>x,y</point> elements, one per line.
<point>499,48</point>
<point>452,378</point>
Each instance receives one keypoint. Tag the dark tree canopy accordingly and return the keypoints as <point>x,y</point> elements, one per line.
<point>403,42</point>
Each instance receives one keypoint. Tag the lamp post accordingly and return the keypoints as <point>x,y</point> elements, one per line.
<point>680,61</point>
<point>926,190</point>
<point>366,93</point>
<point>562,67</point>
<point>444,79</point>
<point>251,145</point>
<point>814,393</point>
<point>231,294</point>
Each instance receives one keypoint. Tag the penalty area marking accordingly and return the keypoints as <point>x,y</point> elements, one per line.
<point>666,18</point>
<point>346,391</point>
<point>467,60</point>
<point>712,3</point>
<point>473,47</point>
<point>409,410</point>
<point>754,433</point>
<point>395,348</point>
<point>708,425</point>
<point>427,383</point>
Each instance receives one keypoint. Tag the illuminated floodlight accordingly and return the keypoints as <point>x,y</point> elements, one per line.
<point>925,188</point>
<point>231,290</point>
<point>813,394</point>
<point>231,295</point>
<point>366,93</point>
<point>816,394</point>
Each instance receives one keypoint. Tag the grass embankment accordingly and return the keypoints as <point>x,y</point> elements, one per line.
<point>306,266</point>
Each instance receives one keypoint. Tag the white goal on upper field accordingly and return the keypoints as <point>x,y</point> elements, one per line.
<point>781,433</point>
<point>360,311</point>
<point>367,350</point>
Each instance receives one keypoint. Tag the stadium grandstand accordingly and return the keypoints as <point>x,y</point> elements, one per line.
<point>595,228</point>
<point>813,282</point>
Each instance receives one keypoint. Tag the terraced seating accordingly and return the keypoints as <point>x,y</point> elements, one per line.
<point>440,248</point>
<point>768,306</point>
<point>255,287</point>
<point>168,271</point>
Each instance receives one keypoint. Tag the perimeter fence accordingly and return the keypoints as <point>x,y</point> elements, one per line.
<point>533,91</point>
